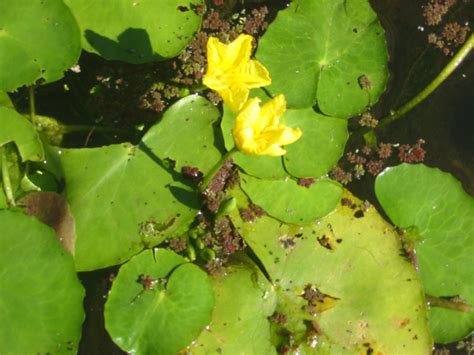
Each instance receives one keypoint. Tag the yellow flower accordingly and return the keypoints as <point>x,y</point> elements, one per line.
<point>231,72</point>
<point>258,130</point>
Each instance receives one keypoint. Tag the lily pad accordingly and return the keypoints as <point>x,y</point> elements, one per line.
<point>123,201</point>
<point>291,203</point>
<point>434,204</point>
<point>5,100</point>
<point>41,303</point>
<point>331,53</point>
<point>239,322</point>
<point>41,46</point>
<point>319,148</point>
<point>158,303</point>
<point>17,129</point>
<point>187,134</point>
<point>137,31</point>
<point>342,283</point>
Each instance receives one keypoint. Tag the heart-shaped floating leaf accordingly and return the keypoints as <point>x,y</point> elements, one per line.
<point>323,141</point>
<point>291,203</point>
<point>41,302</point>
<point>187,135</point>
<point>5,100</point>
<point>127,189</point>
<point>137,31</point>
<point>38,39</point>
<point>19,130</point>
<point>122,201</point>
<point>239,325</point>
<point>341,283</point>
<point>158,303</point>
<point>328,52</point>
<point>434,205</point>
<point>320,146</point>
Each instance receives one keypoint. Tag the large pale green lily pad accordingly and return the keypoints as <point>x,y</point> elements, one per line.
<point>165,314</point>
<point>291,203</point>
<point>187,134</point>
<point>41,302</point>
<point>39,41</point>
<point>328,52</point>
<point>439,214</point>
<point>239,324</point>
<point>123,198</point>
<point>370,296</point>
<point>17,129</point>
<point>137,31</point>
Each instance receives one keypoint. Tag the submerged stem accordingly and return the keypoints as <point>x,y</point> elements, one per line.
<point>31,92</point>
<point>440,78</point>
<point>207,179</point>
<point>452,304</point>
<point>7,186</point>
<point>85,128</point>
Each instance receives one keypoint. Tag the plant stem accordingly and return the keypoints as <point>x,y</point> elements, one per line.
<point>207,179</point>
<point>7,186</point>
<point>84,128</point>
<point>440,78</point>
<point>448,304</point>
<point>31,92</point>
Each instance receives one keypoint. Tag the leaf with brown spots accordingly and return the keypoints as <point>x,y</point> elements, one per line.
<point>51,209</point>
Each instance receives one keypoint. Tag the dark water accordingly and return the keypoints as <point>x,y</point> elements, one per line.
<point>445,120</point>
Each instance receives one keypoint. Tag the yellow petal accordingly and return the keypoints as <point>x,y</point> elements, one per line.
<point>239,50</point>
<point>215,55</point>
<point>234,97</point>
<point>248,115</point>
<point>271,112</point>
<point>273,151</point>
<point>282,135</point>
<point>257,130</point>
<point>255,75</point>
<point>230,71</point>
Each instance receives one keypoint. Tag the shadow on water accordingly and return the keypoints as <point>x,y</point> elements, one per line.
<point>133,45</point>
<point>444,119</point>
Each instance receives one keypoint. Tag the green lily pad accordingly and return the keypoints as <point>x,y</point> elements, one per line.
<point>123,201</point>
<point>319,148</point>
<point>5,100</point>
<point>137,31</point>
<point>41,39</point>
<point>359,292</point>
<point>19,130</point>
<point>329,52</point>
<point>41,302</point>
<point>186,134</point>
<point>239,322</point>
<point>158,303</point>
<point>291,203</point>
<point>434,204</point>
